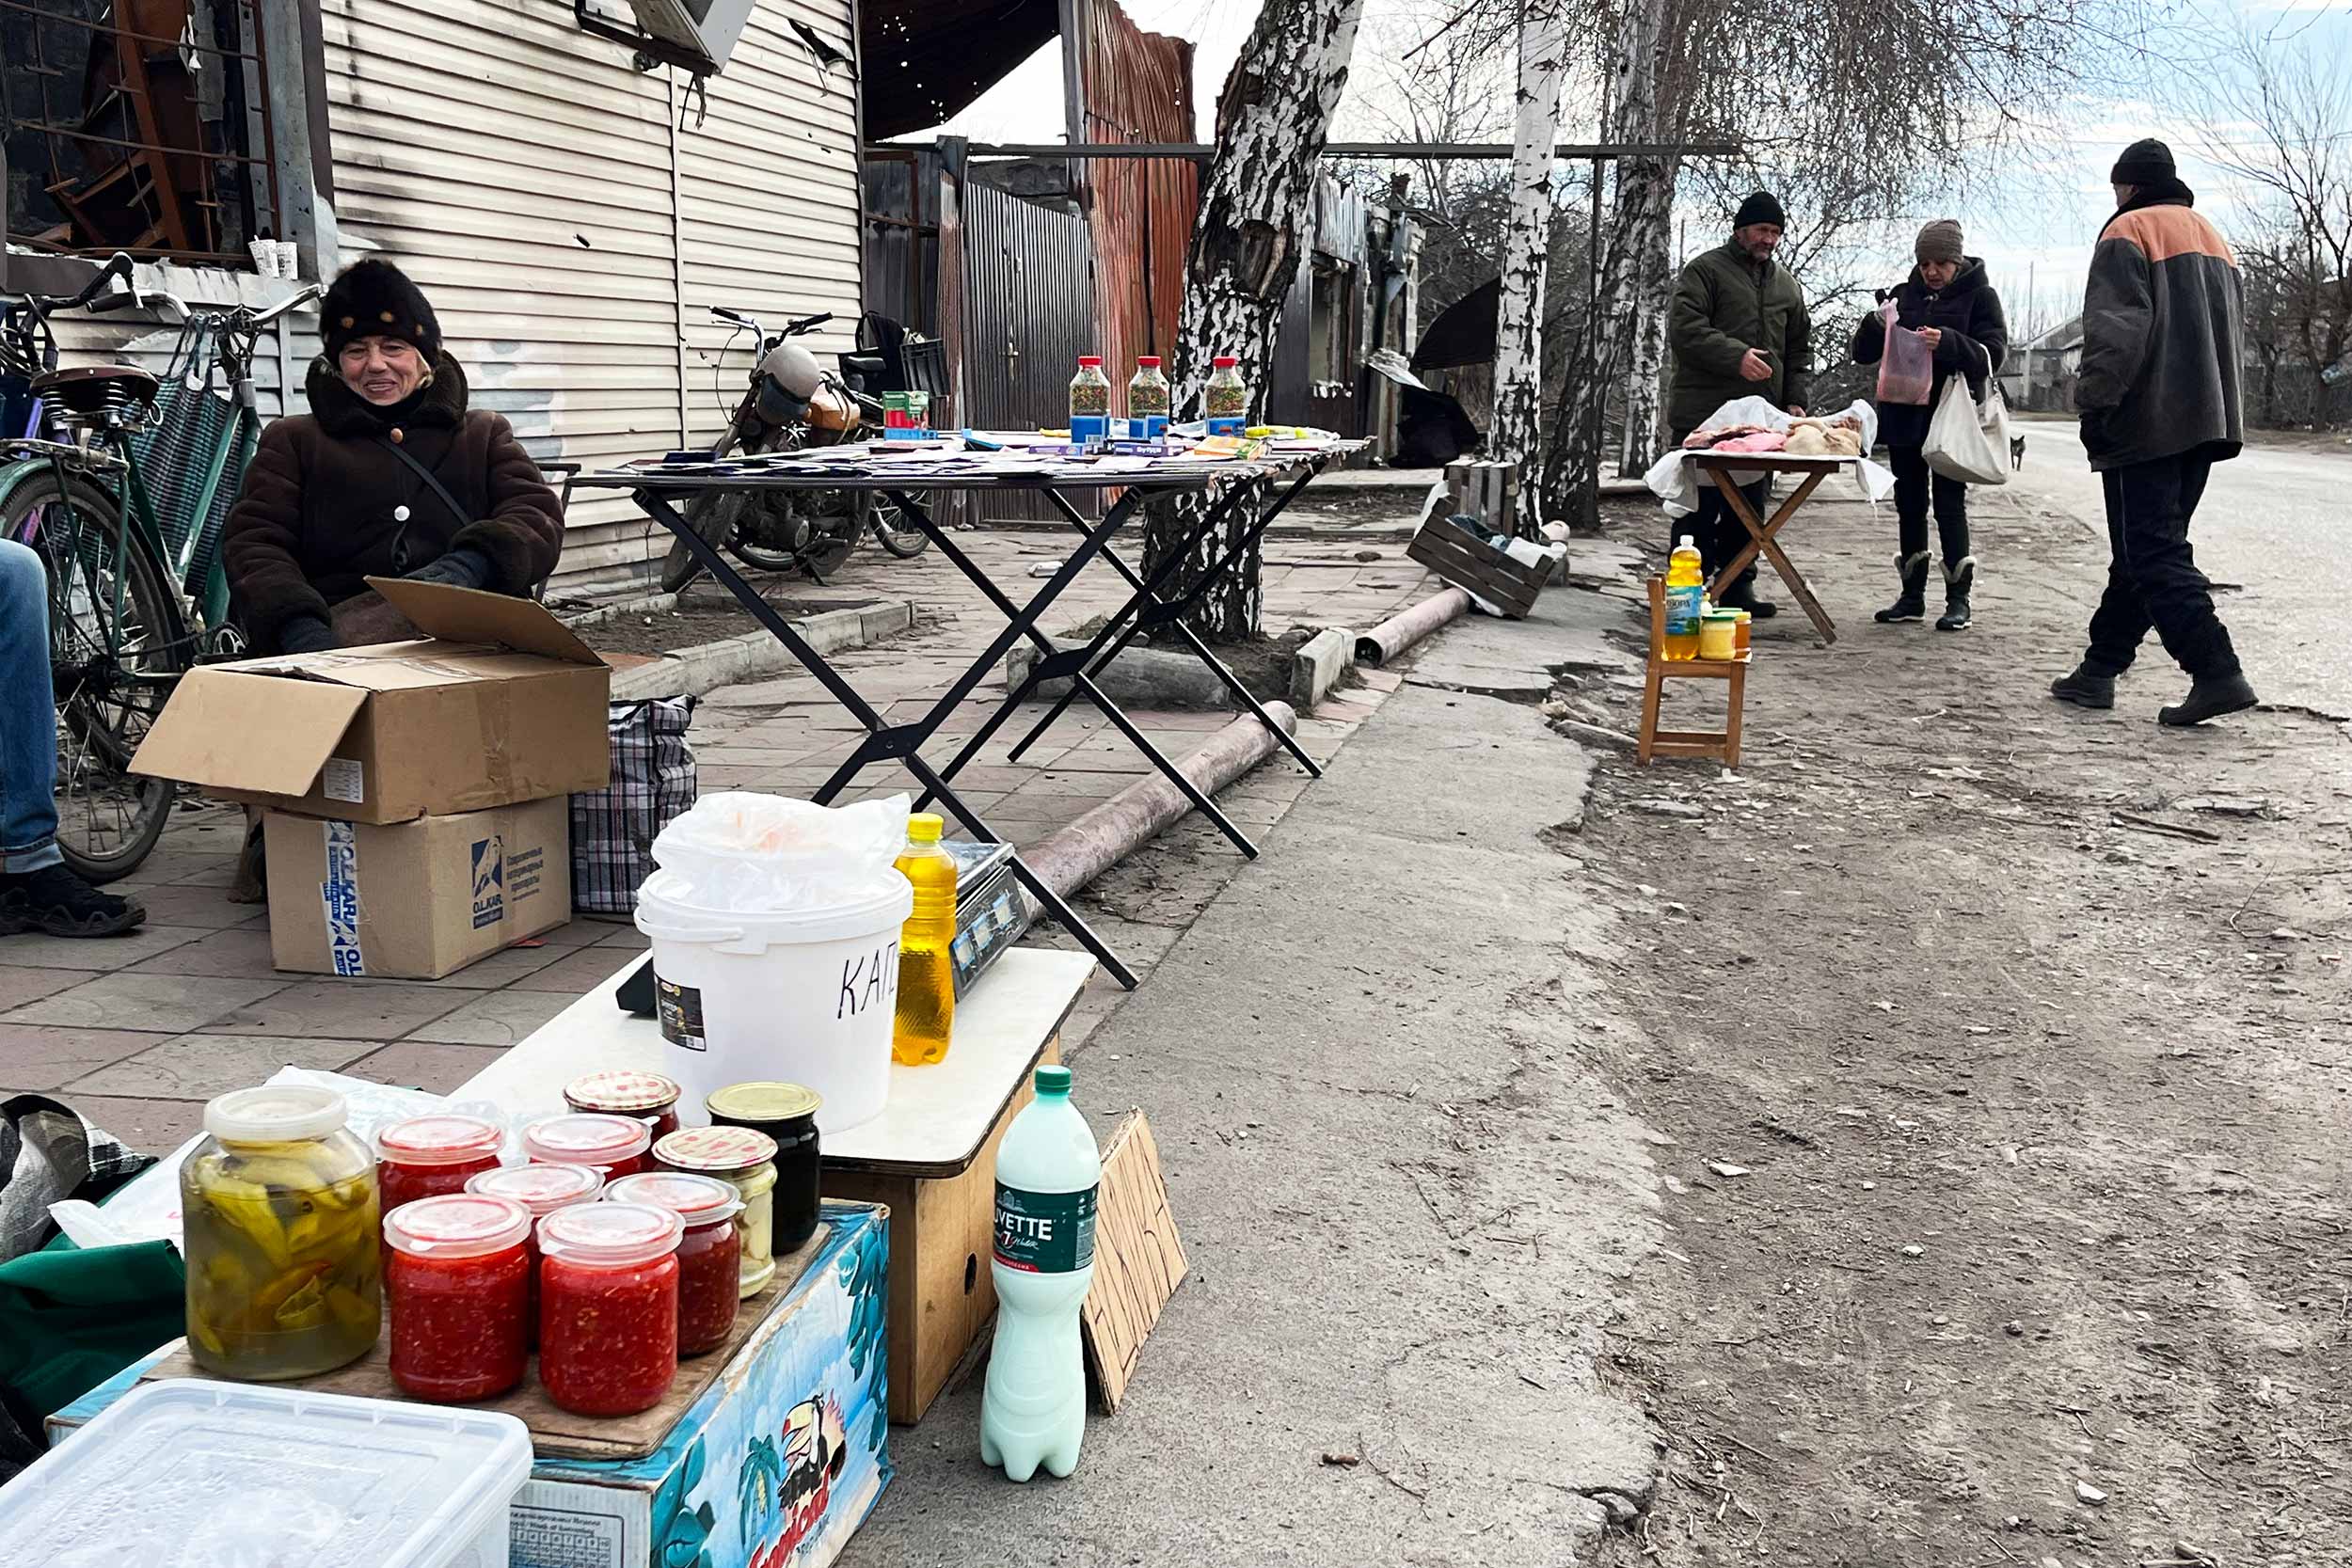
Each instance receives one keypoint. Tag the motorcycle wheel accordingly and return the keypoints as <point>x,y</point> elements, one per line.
<point>895,532</point>
<point>711,515</point>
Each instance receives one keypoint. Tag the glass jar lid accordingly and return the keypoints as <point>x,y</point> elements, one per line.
<point>699,1201</point>
<point>621,1091</point>
<point>440,1139</point>
<point>715,1150</point>
<point>542,1189</point>
<point>275,1113</point>
<point>609,1235</point>
<point>456,1225</point>
<point>764,1102</point>
<point>587,1139</point>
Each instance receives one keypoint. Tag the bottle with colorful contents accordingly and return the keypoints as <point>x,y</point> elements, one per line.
<point>709,1254</point>
<point>607,1306</point>
<point>1148,398</point>
<point>1686,600</point>
<point>927,969</point>
<point>1090,402</point>
<point>458,1275</point>
<point>1226,401</point>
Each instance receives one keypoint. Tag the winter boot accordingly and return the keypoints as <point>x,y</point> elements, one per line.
<point>2209,697</point>
<point>1911,603</point>
<point>1958,580</point>
<point>2085,689</point>
<point>1742,595</point>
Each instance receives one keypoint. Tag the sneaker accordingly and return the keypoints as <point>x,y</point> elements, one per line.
<point>56,901</point>
<point>2209,697</point>
<point>2084,689</point>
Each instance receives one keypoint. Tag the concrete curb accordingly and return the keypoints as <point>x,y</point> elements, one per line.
<point>707,666</point>
<point>1138,677</point>
<point>644,604</point>
<point>1320,664</point>
<point>1399,632</point>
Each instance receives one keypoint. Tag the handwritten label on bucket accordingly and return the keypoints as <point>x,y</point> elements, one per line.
<point>867,982</point>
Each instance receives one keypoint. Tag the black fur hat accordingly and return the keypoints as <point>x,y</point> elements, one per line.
<point>376,298</point>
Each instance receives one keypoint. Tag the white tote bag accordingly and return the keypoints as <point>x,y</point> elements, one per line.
<point>1967,440</point>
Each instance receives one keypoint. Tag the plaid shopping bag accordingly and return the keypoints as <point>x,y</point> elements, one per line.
<point>614,828</point>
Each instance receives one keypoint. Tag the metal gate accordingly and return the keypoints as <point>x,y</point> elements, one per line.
<point>1028,314</point>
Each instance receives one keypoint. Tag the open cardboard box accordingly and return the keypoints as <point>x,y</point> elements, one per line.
<point>499,702</point>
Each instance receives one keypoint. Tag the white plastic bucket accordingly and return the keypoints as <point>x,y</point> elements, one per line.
<point>806,996</point>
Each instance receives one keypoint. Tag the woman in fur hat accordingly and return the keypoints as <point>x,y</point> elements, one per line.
<point>337,496</point>
<point>1947,300</point>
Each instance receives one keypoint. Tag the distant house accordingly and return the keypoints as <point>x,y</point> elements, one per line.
<point>2041,376</point>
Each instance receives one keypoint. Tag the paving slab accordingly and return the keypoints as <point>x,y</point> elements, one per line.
<point>44,1056</point>
<point>432,1065</point>
<point>168,1003</point>
<point>198,1066</point>
<point>496,1017</point>
<point>352,1009</point>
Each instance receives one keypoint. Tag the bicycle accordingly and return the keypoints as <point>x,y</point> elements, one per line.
<point>125,582</point>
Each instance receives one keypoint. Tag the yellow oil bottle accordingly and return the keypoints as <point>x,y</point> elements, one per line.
<point>1686,600</point>
<point>927,979</point>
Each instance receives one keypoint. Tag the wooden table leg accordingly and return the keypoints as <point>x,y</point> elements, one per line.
<point>1762,539</point>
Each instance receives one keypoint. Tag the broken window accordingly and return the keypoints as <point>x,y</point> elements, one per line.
<point>137,125</point>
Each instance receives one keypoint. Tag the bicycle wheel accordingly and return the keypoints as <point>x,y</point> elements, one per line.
<point>894,531</point>
<point>116,642</point>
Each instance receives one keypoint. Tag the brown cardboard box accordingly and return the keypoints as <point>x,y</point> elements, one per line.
<point>415,900</point>
<point>498,703</point>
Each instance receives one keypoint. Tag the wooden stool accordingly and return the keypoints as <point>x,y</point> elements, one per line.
<point>1723,743</point>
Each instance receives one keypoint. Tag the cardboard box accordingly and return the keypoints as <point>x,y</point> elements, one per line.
<point>775,1465</point>
<point>415,900</point>
<point>499,702</point>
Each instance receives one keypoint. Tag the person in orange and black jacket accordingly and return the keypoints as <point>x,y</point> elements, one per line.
<point>1949,301</point>
<point>331,500</point>
<point>2164,340</point>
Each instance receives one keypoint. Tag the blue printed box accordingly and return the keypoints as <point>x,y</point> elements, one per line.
<point>775,1464</point>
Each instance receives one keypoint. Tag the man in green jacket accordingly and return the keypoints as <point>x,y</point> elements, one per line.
<point>1738,328</point>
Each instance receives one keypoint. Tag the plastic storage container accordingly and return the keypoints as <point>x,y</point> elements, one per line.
<point>431,1156</point>
<point>612,1145</point>
<point>192,1474</point>
<point>458,1280</point>
<point>648,1097</point>
<point>1090,400</point>
<point>710,1255</point>
<point>607,1306</point>
<point>745,1161</point>
<point>1148,398</point>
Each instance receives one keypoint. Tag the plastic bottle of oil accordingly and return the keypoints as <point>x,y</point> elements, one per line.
<point>926,978</point>
<point>1686,598</point>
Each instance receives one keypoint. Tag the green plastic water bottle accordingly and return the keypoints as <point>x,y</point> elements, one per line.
<point>1033,1411</point>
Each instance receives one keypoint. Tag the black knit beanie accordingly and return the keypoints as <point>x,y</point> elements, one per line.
<point>2144,163</point>
<point>1762,207</point>
<point>375,298</point>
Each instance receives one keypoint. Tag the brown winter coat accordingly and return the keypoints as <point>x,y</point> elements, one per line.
<point>326,505</point>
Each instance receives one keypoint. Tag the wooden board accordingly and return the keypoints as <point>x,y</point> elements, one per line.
<point>558,1434</point>
<point>1468,562</point>
<point>1138,1260</point>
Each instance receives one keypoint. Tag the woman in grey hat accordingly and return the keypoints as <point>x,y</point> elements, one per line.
<point>1949,301</point>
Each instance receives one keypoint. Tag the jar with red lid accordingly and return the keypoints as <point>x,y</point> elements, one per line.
<point>541,1189</point>
<point>708,1255</point>
<point>607,1306</point>
<point>615,1146</point>
<point>433,1156</point>
<point>459,1284</point>
<point>645,1097</point>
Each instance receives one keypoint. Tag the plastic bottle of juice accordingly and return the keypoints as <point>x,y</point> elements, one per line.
<point>1090,402</point>
<point>926,976</point>
<point>1226,399</point>
<point>1686,598</point>
<point>1148,398</point>
<point>1034,1408</point>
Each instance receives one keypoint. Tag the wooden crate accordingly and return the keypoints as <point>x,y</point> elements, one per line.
<point>1470,563</point>
<point>1487,490</point>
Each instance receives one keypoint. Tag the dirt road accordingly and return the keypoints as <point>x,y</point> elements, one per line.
<point>2006,1055</point>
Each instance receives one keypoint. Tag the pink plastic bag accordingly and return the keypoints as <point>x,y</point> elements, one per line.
<point>1907,368</point>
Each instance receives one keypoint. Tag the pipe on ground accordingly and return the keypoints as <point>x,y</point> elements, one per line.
<point>1400,631</point>
<point>1077,854</point>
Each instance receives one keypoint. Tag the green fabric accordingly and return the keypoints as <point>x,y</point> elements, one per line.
<point>71,1317</point>
<point>1722,307</point>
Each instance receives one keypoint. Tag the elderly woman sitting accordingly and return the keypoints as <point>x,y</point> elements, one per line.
<point>391,474</point>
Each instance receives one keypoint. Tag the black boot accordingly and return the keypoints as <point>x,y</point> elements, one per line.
<point>1742,595</point>
<point>2209,697</point>
<point>1911,603</point>
<point>2084,689</point>
<point>56,901</point>
<point>1958,580</point>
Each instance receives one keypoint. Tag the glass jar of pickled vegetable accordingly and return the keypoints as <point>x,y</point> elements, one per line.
<point>459,1284</point>
<point>283,1252</point>
<point>745,1161</point>
<point>1225,402</point>
<point>541,1189</point>
<point>708,1255</point>
<point>615,1146</point>
<point>646,1097</point>
<point>431,1156</point>
<point>607,1306</point>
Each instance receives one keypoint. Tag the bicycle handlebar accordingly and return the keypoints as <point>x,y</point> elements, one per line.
<point>807,324</point>
<point>307,294</point>
<point>117,269</point>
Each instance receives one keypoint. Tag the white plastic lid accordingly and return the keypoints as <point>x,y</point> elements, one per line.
<point>587,1139</point>
<point>187,1473</point>
<point>699,1201</point>
<point>543,1188</point>
<point>456,1225</point>
<point>609,1235</point>
<point>275,1113</point>
<point>440,1139</point>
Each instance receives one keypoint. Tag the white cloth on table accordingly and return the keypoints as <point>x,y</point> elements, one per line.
<point>1676,482</point>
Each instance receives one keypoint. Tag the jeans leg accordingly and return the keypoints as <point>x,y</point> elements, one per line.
<point>2158,500</point>
<point>1951,519</point>
<point>2121,622</point>
<point>1911,499</point>
<point>28,716</point>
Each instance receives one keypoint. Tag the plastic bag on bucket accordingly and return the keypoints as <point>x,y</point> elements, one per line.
<point>775,925</point>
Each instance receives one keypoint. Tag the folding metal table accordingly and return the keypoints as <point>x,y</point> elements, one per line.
<point>1268,485</point>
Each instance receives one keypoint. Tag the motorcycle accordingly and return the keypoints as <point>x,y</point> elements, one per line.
<point>790,402</point>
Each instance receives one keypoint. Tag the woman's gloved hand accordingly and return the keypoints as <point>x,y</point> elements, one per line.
<point>305,634</point>
<point>460,569</point>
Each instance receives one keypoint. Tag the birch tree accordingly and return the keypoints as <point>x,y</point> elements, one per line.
<point>1250,234</point>
<point>1633,291</point>
<point>1518,411</point>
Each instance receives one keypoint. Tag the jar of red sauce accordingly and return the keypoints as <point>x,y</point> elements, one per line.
<point>710,1255</point>
<point>645,1097</point>
<point>615,1146</point>
<point>541,1189</point>
<point>607,1306</point>
<point>432,1156</point>
<point>458,1282</point>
